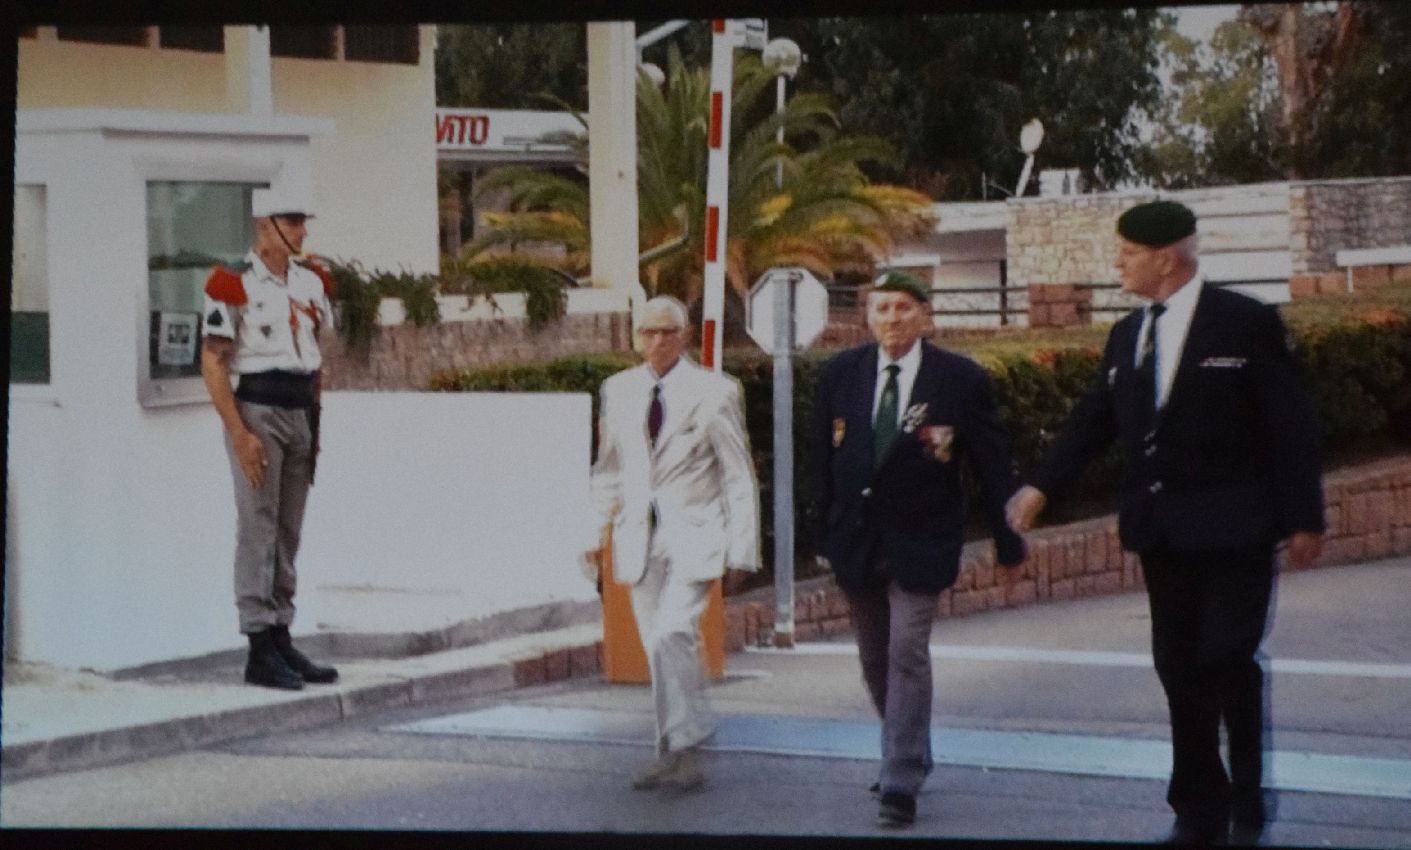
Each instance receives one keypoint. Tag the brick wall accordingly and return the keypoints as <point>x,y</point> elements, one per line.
<point>1368,510</point>
<point>1059,305</point>
<point>403,357</point>
<point>1368,517</point>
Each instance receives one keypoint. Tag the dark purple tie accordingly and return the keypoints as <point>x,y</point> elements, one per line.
<point>655,414</point>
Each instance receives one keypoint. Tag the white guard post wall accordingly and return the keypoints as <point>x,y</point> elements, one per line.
<point>120,518</point>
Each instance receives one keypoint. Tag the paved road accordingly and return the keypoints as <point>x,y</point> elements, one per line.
<point>1341,656</point>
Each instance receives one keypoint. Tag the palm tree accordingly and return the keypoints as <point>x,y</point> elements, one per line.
<point>826,216</point>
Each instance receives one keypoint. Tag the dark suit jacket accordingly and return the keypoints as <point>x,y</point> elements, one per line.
<point>910,511</point>
<point>1231,460</point>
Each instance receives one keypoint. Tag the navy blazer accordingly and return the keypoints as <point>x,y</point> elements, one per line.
<point>1231,460</point>
<point>910,510</point>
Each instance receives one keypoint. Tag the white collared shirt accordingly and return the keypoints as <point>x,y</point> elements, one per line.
<point>1171,334</point>
<point>910,363</point>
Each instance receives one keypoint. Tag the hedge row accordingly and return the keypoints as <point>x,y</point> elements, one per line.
<point>1356,362</point>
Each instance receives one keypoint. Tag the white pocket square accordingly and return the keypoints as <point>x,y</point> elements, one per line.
<point>1223,363</point>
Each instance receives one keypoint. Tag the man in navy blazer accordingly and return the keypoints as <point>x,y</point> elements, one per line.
<point>1221,461</point>
<point>891,422</point>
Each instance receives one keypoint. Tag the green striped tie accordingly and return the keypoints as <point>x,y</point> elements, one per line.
<point>884,427</point>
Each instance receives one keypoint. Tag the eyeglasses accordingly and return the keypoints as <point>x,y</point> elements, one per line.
<point>658,331</point>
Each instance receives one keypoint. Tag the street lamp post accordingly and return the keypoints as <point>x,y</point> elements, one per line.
<point>783,57</point>
<point>1030,137</point>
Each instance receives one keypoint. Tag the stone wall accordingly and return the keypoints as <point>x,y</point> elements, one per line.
<point>1064,240</point>
<point>1326,217</point>
<point>403,356</point>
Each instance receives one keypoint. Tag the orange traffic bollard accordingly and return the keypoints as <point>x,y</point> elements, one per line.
<point>624,660</point>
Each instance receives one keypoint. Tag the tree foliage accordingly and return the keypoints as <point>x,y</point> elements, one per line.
<point>1222,125</point>
<point>511,66</point>
<point>1297,91</point>
<point>951,91</point>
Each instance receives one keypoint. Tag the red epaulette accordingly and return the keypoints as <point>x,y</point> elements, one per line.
<point>323,274</point>
<point>226,285</point>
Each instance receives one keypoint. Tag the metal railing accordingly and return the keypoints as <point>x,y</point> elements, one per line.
<point>1010,304</point>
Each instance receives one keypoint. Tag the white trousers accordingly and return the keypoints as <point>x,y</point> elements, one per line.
<point>668,612</point>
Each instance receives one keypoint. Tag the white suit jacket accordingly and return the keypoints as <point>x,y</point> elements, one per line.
<point>699,476</point>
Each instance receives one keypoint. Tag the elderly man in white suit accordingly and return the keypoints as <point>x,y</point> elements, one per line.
<point>674,478</point>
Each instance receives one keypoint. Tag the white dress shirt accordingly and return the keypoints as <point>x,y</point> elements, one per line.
<point>1170,335</point>
<point>910,363</point>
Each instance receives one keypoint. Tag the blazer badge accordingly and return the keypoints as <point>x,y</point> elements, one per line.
<point>840,427</point>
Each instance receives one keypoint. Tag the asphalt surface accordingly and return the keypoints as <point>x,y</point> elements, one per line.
<point>1067,678</point>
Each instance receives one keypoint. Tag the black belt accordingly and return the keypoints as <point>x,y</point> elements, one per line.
<point>277,388</point>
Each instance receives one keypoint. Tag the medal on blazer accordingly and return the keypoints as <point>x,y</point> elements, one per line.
<point>914,416</point>
<point>938,439</point>
<point>840,427</point>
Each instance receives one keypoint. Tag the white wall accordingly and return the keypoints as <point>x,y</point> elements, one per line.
<point>122,528</point>
<point>483,496</point>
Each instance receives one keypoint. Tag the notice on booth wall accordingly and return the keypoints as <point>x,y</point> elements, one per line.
<point>176,339</point>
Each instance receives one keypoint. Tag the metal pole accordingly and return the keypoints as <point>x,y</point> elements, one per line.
<point>784,463</point>
<point>779,135</point>
<point>722,57</point>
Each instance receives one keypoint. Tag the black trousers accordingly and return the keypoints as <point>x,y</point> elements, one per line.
<point>1208,617</point>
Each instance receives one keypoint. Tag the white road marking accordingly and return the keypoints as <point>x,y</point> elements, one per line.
<point>1087,755</point>
<point>1296,666</point>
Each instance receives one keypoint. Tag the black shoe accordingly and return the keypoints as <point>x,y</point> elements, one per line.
<point>875,789</point>
<point>897,810</point>
<point>267,668</point>
<point>1193,832</point>
<point>299,662</point>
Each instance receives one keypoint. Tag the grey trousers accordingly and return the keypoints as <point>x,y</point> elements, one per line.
<point>893,644</point>
<point>268,520</point>
<point>668,612</point>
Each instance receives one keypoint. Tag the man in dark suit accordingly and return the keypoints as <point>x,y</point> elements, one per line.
<point>1220,449</point>
<point>891,421</point>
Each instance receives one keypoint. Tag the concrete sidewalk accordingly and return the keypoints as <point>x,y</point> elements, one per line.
<point>60,719</point>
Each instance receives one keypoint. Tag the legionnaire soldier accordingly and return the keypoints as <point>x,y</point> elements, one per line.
<point>262,320</point>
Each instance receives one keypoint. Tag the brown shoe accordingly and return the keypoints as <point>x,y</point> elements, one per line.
<point>685,774</point>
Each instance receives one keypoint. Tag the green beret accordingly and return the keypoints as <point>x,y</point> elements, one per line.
<point>1156,224</point>
<point>895,281</point>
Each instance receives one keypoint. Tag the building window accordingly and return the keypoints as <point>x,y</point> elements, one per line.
<point>29,294</point>
<point>381,44</point>
<point>204,39</point>
<point>105,35</point>
<point>304,42</point>
<point>191,227</point>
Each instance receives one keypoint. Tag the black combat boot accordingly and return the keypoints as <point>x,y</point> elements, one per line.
<point>266,667</point>
<point>298,661</point>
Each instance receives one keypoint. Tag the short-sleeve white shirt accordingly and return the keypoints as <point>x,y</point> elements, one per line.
<point>277,325</point>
